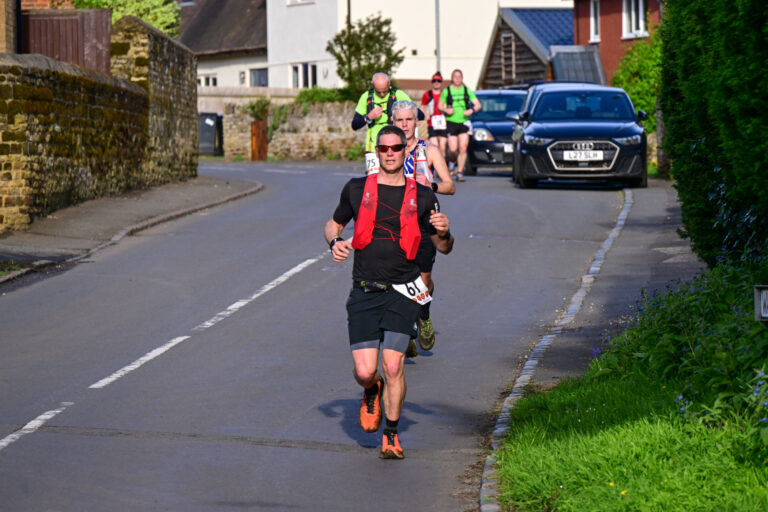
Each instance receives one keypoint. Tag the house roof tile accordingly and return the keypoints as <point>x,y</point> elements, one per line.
<point>210,27</point>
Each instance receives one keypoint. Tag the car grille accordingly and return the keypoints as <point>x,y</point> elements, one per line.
<point>557,151</point>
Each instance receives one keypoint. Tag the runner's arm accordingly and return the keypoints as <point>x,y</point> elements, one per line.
<point>437,162</point>
<point>341,249</point>
<point>359,121</point>
<point>443,239</point>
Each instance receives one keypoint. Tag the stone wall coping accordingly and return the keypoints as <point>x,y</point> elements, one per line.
<point>247,91</point>
<point>128,21</point>
<point>33,61</point>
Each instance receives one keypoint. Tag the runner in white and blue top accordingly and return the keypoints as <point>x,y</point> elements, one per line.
<point>405,117</point>
<point>410,159</point>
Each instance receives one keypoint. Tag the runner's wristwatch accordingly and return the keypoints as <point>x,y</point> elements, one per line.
<point>332,242</point>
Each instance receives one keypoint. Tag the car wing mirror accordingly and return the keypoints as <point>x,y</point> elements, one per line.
<point>522,116</point>
<point>512,116</point>
<point>642,115</point>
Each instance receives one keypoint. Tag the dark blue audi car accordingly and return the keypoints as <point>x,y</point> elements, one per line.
<point>490,143</point>
<point>579,131</point>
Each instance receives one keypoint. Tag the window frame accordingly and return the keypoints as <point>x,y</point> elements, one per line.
<point>594,21</point>
<point>634,13</point>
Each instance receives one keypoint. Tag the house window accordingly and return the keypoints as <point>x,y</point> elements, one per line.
<point>260,77</point>
<point>207,80</point>
<point>634,18</point>
<point>594,21</point>
<point>304,75</point>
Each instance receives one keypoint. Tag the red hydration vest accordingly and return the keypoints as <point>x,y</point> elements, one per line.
<point>410,234</point>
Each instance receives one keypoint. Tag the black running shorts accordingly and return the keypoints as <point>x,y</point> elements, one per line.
<point>456,128</point>
<point>369,314</point>
<point>436,133</point>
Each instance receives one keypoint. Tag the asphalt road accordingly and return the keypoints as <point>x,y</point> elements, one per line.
<point>240,395</point>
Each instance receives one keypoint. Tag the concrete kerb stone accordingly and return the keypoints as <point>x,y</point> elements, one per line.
<point>489,481</point>
<point>135,228</point>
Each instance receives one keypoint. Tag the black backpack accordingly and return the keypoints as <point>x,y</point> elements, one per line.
<point>449,99</point>
<point>390,102</point>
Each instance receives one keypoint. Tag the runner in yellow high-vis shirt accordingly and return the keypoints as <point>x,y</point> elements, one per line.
<point>374,111</point>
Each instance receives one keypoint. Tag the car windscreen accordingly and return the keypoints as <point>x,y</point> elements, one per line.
<point>583,105</point>
<point>496,107</point>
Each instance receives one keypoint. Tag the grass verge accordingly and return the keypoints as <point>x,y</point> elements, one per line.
<point>6,267</point>
<point>672,417</point>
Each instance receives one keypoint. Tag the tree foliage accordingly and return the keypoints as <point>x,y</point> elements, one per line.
<point>365,48</point>
<point>161,14</point>
<point>713,99</point>
<point>639,74</point>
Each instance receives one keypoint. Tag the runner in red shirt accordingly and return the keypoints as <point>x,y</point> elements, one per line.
<point>436,119</point>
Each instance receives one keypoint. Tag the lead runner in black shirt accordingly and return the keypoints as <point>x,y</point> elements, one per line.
<point>381,318</point>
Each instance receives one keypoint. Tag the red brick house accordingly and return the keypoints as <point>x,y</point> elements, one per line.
<point>613,26</point>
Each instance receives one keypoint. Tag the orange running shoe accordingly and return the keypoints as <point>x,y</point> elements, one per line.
<point>390,446</point>
<point>370,410</point>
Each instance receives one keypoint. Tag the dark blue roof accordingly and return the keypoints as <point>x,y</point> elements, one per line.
<point>548,27</point>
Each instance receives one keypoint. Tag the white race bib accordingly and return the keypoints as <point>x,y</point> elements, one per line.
<point>438,122</point>
<point>416,290</point>
<point>371,163</point>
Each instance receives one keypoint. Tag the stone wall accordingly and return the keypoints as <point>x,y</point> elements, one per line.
<point>68,134</point>
<point>323,131</point>
<point>167,70</point>
<point>237,132</point>
<point>8,26</point>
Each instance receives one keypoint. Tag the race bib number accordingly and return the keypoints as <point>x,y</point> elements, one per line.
<point>371,163</point>
<point>438,122</point>
<point>416,290</point>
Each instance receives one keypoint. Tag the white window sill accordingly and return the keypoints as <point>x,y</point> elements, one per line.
<point>638,35</point>
<point>591,41</point>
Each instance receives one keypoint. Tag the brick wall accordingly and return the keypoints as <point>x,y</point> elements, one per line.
<point>67,135</point>
<point>167,70</point>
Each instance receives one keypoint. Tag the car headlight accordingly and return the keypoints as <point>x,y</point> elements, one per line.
<point>634,140</point>
<point>482,135</point>
<point>536,141</point>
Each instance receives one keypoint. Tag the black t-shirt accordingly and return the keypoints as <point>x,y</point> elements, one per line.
<point>383,259</point>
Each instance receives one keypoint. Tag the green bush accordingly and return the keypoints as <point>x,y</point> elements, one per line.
<point>356,152</point>
<point>322,95</point>
<point>258,109</point>
<point>713,99</point>
<point>639,74</point>
<point>279,115</point>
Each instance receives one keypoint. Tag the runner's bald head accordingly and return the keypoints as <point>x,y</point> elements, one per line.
<point>380,83</point>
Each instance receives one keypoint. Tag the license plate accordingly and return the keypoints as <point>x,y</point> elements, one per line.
<point>582,156</point>
<point>509,148</point>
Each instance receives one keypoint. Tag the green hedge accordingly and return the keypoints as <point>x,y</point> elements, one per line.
<point>714,94</point>
<point>639,74</point>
